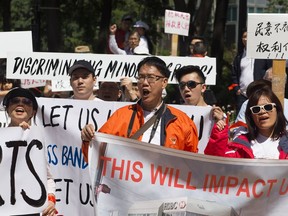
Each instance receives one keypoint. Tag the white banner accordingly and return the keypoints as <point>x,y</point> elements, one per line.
<point>267,36</point>
<point>23,171</point>
<point>137,178</point>
<point>63,119</point>
<point>108,67</point>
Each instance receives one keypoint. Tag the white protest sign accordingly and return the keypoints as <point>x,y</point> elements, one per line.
<point>176,22</point>
<point>23,168</point>
<point>108,67</point>
<point>17,41</point>
<point>64,85</point>
<point>28,83</point>
<point>136,178</point>
<point>3,118</point>
<point>267,36</point>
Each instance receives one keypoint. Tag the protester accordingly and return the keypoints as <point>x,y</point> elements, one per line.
<point>122,33</point>
<point>129,89</point>
<point>169,127</point>
<point>6,84</point>
<point>145,41</point>
<point>246,70</point>
<point>199,50</point>
<point>192,87</point>
<point>109,91</point>
<point>266,124</point>
<point>133,42</point>
<point>21,106</point>
<point>195,40</point>
<point>83,80</point>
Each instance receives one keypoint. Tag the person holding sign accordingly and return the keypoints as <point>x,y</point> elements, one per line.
<point>267,137</point>
<point>21,106</point>
<point>150,119</point>
<point>192,87</point>
<point>246,70</point>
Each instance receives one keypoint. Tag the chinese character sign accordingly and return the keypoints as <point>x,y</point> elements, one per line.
<point>267,36</point>
<point>177,22</point>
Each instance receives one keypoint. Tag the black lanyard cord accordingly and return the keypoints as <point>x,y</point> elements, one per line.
<point>157,116</point>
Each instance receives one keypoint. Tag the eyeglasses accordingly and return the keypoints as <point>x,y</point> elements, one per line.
<point>16,100</point>
<point>190,84</point>
<point>267,107</point>
<point>150,78</point>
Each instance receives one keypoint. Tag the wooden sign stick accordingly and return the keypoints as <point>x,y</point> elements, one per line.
<point>174,45</point>
<point>279,79</point>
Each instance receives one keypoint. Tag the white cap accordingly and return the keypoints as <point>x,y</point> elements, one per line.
<point>141,50</point>
<point>141,24</point>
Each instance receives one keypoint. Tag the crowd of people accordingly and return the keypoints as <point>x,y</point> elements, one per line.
<point>150,119</point>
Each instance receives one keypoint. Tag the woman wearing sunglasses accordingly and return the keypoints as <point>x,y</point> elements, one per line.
<point>266,137</point>
<point>21,106</point>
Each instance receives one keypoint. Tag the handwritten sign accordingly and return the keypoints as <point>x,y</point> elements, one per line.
<point>64,85</point>
<point>267,36</point>
<point>108,67</point>
<point>18,41</point>
<point>23,169</point>
<point>28,83</point>
<point>176,22</point>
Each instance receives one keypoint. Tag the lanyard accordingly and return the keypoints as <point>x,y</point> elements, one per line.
<point>155,119</point>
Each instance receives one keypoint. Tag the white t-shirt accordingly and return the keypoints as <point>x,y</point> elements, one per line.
<point>247,68</point>
<point>265,148</point>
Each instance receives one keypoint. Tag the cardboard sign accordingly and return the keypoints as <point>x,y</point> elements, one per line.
<point>267,36</point>
<point>23,168</point>
<point>18,41</point>
<point>177,22</point>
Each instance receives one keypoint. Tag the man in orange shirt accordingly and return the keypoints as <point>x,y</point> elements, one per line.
<point>169,127</point>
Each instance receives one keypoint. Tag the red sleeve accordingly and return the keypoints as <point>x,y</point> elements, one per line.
<point>218,141</point>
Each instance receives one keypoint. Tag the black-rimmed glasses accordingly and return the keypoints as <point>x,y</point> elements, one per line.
<point>190,84</point>
<point>267,107</point>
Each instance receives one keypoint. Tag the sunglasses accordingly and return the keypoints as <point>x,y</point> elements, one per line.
<point>16,100</point>
<point>190,84</point>
<point>267,107</point>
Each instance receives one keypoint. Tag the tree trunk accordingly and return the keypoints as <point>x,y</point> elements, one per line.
<point>241,23</point>
<point>101,46</point>
<point>202,17</point>
<point>53,26</point>
<point>6,11</point>
<point>217,47</point>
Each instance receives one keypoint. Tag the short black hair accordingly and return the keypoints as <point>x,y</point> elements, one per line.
<point>196,37</point>
<point>189,69</point>
<point>156,62</point>
<point>256,85</point>
<point>199,48</point>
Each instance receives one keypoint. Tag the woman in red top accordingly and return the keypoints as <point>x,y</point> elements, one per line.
<point>266,137</point>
